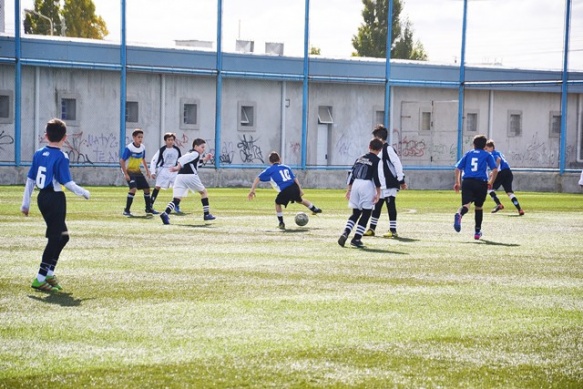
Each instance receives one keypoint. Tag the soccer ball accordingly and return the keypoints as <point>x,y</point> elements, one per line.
<point>301,219</point>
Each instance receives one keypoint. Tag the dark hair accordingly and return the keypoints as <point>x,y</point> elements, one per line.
<point>274,157</point>
<point>169,135</point>
<point>375,145</point>
<point>136,132</point>
<point>380,132</point>
<point>198,142</point>
<point>490,143</point>
<point>480,141</point>
<point>56,130</point>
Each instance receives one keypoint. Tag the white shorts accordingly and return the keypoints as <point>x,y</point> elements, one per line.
<point>390,192</point>
<point>185,182</point>
<point>362,194</point>
<point>165,178</point>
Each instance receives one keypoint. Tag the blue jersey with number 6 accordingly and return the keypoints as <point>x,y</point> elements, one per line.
<point>475,164</point>
<point>281,176</point>
<point>50,167</point>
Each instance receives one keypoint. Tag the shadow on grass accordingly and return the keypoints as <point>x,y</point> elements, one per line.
<point>382,251</point>
<point>206,225</point>
<point>62,299</point>
<point>492,243</point>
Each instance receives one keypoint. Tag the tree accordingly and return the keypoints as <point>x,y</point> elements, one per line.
<point>315,50</point>
<point>371,39</point>
<point>82,21</point>
<point>77,18</point>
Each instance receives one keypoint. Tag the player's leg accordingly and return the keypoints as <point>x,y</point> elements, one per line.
<point>130,197</point>
<point>279,214</point>
<point>392,210</point>
<point>360,228</point>
<point>507,184</point>
<point>374,219</point>
<point>481,191</point>
<point>154,195</point>
<point>467,198</point>
<point>350,223</point>
<point>204,199</point>
<point>142,184</point>
<point>310,206</point>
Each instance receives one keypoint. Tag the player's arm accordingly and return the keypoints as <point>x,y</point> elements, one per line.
<point>458,180</point>
<point>28,189</point>
<point>299,186</point>
<point>253,186</point>
<point>146,167</point>
<point>124,169</point>
<point>77,189</point>
<point>492,177</point>
<point>153,163</point>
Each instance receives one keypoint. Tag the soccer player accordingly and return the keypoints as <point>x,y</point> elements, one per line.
<point>392,179</point>
<point>503,178</point>
<point>162,161</point>
<point>133,156</point>
<point>284,181</point>
<point>188,180</point>
<point>473,167</point>
<point>50,170</point>
<point>364,191</point>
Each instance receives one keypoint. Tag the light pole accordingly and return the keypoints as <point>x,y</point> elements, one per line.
<point>33,12</point>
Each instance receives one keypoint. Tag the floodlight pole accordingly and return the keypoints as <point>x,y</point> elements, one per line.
<point>33,12</point>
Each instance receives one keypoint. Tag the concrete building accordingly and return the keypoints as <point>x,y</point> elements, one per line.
<point>255,104</point>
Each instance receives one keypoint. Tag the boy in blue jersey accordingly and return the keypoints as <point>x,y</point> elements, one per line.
<point>363,192</point>
<point>285,182</point>
<point>50,170</point>
<point>133,156</point>
<point>473,168</point>
<point>504,178</point>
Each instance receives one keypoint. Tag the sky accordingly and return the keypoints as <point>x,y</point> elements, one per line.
<point>513,33</point>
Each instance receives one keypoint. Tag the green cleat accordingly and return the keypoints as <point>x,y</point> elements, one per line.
<point>43,286</point>
<point>54,282</point>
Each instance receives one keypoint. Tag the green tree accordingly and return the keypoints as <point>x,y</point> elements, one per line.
<point>76,18</point>
<point>371,39</point>
<point>315,50</point>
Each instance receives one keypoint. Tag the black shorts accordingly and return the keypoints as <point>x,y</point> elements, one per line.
<point>504,179</point>
<point>289,194</point>
<point>138,181</point>
<point>53,207</point>
<point>474,191</point>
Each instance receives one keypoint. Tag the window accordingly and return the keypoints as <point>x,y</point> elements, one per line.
<point>189,114</point>
<point>425,124</point>
<point>471,122</point>
<point>514,123</point>
<point>555,124</point>
<point>132,112</point>
<point>68,108</point>
<point>6,113</point>
<point>379,117</point>
<point>325,115</point>
<point>247,116</point>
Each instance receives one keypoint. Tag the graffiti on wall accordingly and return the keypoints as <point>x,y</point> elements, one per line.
<point>249,150</point>
<point>5,140</point>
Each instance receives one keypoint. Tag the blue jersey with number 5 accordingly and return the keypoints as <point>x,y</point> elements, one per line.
<point>475,164</point>
<point>50,167</point>
<point>281,176</point>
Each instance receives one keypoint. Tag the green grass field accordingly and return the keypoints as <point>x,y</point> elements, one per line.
<point>238,303</point>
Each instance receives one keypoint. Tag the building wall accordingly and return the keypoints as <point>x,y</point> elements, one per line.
<point>93,139</point>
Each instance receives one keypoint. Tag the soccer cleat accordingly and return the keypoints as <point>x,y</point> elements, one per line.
<point>391,234</point>
<point>316,210</point>
<point>177,209</point>
<point>457,222</point>
<point>497,208</point>
<point>281,226</point>
<point>357,243</point>
<point>209,217</point>
<point>520,212</point>
<point>54,282</point>
<point>369,232</point>
<point>127,213</point>
<point>152,211</point>
<point>165,218</point>
<point>478,235</point>
<point>43,286</point>
<point>342,239</point>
